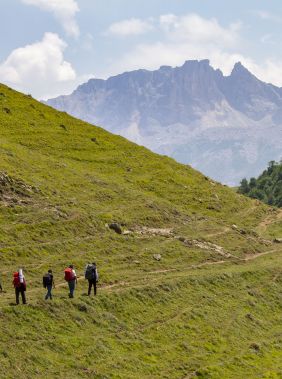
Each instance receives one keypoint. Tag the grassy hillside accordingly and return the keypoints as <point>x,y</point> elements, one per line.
<point>209,308</point>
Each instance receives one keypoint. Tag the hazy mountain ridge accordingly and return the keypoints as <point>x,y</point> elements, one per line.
<point>229,127</point>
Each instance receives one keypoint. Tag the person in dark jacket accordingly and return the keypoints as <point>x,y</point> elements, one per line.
<point>20,286</point>
<point>48,282</point>
<point>93,279</point>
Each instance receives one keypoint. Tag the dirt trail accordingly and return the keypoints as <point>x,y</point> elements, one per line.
<point>225,230</point>
<point>270,220</point>
<point>139,283</point>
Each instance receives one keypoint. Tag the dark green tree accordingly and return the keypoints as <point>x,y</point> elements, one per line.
<point>267,187</point>
<point>244,187</point>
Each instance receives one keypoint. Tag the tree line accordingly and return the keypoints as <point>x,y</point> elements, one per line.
<point>267,187</point>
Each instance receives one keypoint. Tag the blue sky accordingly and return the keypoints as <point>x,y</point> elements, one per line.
<point>48,47</point>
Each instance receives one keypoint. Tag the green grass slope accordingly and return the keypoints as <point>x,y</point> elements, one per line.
<point>209,308</point>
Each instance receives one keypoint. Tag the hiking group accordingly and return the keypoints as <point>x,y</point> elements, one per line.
<point>91,274</point>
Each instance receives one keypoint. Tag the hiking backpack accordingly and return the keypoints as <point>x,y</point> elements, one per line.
<point>16,280</point>
<point>46,281</point>
<point>69,274</point>
<point>89,272</point>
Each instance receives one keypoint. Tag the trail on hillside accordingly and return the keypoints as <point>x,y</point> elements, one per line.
<point>139,283</point>
<point>270,220</point>
<point>225,230</point>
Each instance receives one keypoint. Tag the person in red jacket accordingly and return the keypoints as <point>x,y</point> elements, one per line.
<point>71,278</point>
<point>20,286</point>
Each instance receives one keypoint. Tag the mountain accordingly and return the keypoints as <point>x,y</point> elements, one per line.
<point>228,127</point>
<point>267,187</point>
<point>190,287</point>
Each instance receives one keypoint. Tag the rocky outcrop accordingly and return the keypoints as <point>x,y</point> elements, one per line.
<point>14,191</point>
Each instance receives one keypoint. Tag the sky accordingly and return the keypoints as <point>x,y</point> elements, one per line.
<point>49,47</point>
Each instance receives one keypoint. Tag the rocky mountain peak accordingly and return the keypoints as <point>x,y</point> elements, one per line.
<point>218,124</point>
<point>241,71</point>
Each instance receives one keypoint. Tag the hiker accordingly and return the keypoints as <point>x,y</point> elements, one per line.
<point>48,282</point>
<point>70,277</point>
<point>20,286</point>
<point>91,274</point>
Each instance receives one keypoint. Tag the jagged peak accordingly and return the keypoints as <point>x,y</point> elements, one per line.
<point>194,62</point>
<point>165,68</point>
<point>239,69</point>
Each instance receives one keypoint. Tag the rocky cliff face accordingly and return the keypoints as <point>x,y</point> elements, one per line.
<point>227,127</point>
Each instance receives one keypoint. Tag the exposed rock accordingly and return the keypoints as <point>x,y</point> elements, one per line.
<point>205,246</point>
<point>277,240</point>
<point>7,110</point>
<point>264,241</point>
<point>82,307</point>
<point>250,317</point>
<point>94,139</point>
<point>116,227</point>
<point>254,346</point>
<point>126,232</point>
<point>14,191</point>
<point>157,257</point>
<point>164,232</point>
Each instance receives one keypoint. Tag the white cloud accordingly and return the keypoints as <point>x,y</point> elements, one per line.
<point>39,68</point>
<point>186,37</point>
<point>87,42</point>
<point>133,26</point>
<point>269,71</point>
<point>267,16</point>
<point>193,28</point>
<point>194,37</point>
<point>268,39</point>
<point>63,10</point>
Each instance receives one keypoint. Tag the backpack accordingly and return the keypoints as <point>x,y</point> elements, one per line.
<point>16,280</point>
<point>46,281</point>
<point>69,275</point>
<point>89,272</point>
<point>19,282</point>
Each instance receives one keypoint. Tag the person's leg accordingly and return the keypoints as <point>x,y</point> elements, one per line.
<point>95,287</point>
<point>48,294</point>
<point>23,296</point>
<point>71,287</point>
<point>1,289</point>
<point>17,295</point>
<point>69,284</point>
<point>89,286</point>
